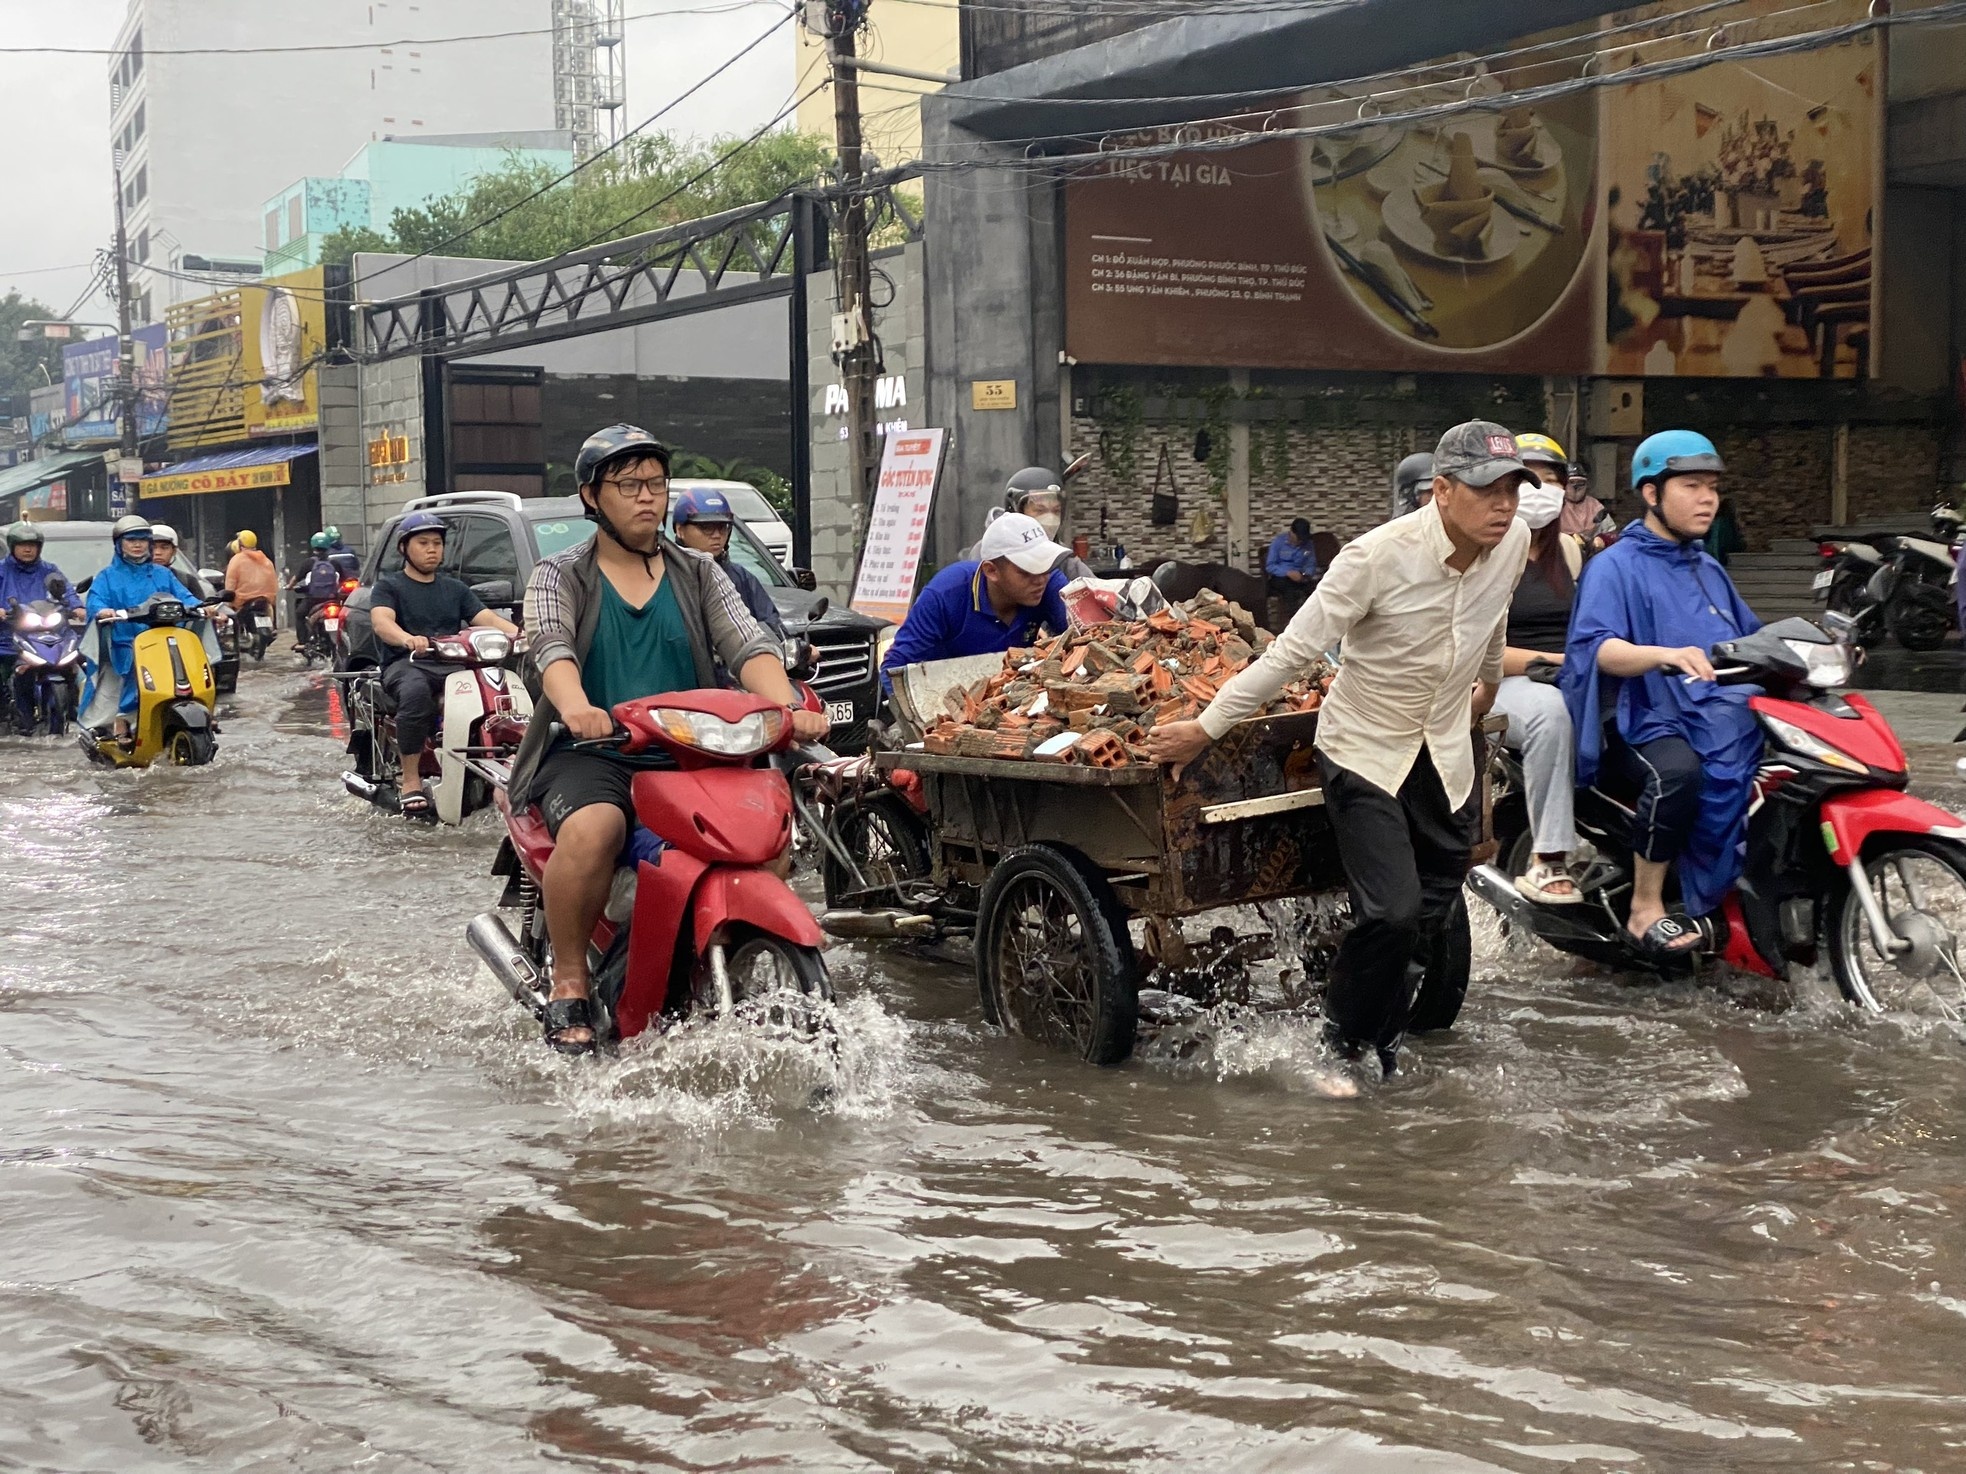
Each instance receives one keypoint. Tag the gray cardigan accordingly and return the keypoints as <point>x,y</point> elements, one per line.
<point>563,605</point>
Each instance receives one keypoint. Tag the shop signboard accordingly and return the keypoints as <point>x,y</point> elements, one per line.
<point>89,376</point>
<point>230,478</point>
<point>47,412</point>
<point>284,325</point>
<point>1711,220</point>
<point>898,524</point>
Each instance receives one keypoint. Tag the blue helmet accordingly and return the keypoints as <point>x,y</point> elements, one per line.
<point>700,504</point>
<point>1673,453</point>
<point>419,522</point>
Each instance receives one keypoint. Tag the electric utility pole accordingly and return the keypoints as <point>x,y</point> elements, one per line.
<point>126,368</point>
<point>853,326</point>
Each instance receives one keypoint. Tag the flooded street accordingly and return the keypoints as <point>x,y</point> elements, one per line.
<point>289,1183</point>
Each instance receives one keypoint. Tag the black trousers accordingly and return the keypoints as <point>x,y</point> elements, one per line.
<point>416,690</point>
<point>22,684</point>
<point>1665,774</point>
<point>1290,595</point>
<point>1405,856</point>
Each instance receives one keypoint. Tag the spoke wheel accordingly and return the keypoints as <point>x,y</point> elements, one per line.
<point>887,841</point>
<point>1920,884</point>
<point>1054,962</point>
<point>775,983</point>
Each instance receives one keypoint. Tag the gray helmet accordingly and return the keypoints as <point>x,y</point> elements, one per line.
<point>23,532</point>
<point>130,525</point>
<point>613,443</point>
<point>1027,483</point>
<point>1408,477</point>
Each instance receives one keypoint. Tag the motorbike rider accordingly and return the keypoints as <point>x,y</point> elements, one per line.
<point>1642,695</point>
<point>1039,494</point>
<point>988,603</point>
<point>250,576</point>
<point>702,519</point>
<point>1413,483</point>
<point>1539,722</point>
<point>347,562</point>
<point>314,587</point>
<point>126,583</point>
<point>408,609</point>
<point>164,550</point>
<point>24,579</point>
<point>1420,605</point>
<point>625,615</point>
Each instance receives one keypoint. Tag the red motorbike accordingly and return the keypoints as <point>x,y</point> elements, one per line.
<point>699,922</point>
<point>1840,859</point>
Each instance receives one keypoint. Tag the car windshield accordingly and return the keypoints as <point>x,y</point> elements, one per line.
<point>561,533</point>
<point>754,555</point>
<point>750,504</point>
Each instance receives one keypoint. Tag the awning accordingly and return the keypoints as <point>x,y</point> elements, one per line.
<point>35,474</point>
<point>227,470</point>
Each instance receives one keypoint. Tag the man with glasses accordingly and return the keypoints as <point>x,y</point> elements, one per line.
<point>626,615</point>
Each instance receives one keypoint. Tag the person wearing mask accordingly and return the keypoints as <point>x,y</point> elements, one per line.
<point>1004,596</point>
<point>1584,516</point>
<point>702,519</point>
<point>408,610</point>
<point>1420,606</point>
<point>1413,483</point>
<point>130,579</point>
<point>1040,495</point>
<point>24,579</point>
<point>1642,696</point>
<point>1291,564</point>
<point>626,614</point>
<point>250,576</point>
<point>1539,722</point>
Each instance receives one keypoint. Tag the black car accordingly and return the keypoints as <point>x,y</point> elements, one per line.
<point>496,537</point>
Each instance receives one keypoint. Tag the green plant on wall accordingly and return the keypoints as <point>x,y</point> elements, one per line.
<point>1215,425</point>
<point>1118,416</point>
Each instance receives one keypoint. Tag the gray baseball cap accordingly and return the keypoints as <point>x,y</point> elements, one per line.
<point>1480,453</point>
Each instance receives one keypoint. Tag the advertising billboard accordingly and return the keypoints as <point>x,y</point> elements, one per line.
<point>88,381</point>
<point>1708,220</point>
<point>284,325</point>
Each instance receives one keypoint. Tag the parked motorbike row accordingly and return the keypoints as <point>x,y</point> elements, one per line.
<point>1901,585</point>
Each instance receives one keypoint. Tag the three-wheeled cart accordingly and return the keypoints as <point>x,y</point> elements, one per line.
<point>1064,856</point>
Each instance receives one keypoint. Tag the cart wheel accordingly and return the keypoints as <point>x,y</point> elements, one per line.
<point>1053,959</point>
<point>888,841</point>
<point>1445,987</point>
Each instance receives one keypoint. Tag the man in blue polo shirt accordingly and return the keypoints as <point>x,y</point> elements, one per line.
<point>998,599</point>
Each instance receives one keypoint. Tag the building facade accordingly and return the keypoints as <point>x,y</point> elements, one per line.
<point>203,141</point>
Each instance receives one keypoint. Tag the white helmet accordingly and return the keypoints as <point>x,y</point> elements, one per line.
<point>163,532</point>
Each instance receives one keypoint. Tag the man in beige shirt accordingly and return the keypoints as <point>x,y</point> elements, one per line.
<point>1420,605</point>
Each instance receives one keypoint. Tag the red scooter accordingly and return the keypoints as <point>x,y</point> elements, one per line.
<point>699,923</point>
<point>1840,859</point>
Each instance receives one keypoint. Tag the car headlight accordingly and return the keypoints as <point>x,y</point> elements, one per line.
<point>746,737</point>
<point>1829,665</point>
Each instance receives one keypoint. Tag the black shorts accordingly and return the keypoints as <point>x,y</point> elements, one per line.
<point>569,781</point>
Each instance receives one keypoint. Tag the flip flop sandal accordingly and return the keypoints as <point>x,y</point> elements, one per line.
<point>562,1014</point>
<point>417,808</point>
<point>1664,939</point>
<point>1535,883</point>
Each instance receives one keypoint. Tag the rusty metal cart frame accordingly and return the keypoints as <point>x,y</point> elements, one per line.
<point>1064,855</point>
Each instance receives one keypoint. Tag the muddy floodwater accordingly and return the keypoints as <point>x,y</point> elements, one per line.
<point>286,1183</point>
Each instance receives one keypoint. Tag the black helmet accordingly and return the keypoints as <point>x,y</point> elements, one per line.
<point>1027,483</point>
<point>1408,476</point>
<point>615,443</point>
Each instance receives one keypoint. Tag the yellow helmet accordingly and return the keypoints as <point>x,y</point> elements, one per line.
<point>1540,448</point>
<point>249,539</point>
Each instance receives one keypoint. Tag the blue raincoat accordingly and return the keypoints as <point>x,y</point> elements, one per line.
<point>124,585</point>
<point>24,583</point>
<point>1651,590</point>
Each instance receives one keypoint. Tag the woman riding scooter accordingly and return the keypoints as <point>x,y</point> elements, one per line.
<point>125,584</point>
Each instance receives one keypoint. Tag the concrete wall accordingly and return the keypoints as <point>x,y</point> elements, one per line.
<point>901,327</point>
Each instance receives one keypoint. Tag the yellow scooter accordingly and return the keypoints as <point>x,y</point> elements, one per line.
<point>176,695</point>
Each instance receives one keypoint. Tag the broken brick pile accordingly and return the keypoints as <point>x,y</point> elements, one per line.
<point>1093,694</point>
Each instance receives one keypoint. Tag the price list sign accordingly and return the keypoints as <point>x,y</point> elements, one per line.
<point>910,463</point>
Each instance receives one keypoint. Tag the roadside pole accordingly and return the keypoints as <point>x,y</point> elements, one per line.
<point>853,337</point>
<point>126,368</point>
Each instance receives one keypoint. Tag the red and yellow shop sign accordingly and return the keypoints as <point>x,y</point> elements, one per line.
<point>233,478</point>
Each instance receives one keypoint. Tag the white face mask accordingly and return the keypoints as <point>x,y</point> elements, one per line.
<point>1538,505</point>
<point>1050,522</point>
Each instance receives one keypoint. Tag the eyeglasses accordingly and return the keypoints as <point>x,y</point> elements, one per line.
<point>638,489</point>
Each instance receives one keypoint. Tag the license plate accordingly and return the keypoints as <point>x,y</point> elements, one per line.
<point>260,621</point>
<point>839,713</point>
<point>332,626</point>
<point>1824,579</point>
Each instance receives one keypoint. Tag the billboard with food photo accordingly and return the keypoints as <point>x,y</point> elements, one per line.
<point>1509,221</point>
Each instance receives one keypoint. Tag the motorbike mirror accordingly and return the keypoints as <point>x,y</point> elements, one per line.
<point>805,578</point>
<point>56,586</point>
<point>1079,463</point>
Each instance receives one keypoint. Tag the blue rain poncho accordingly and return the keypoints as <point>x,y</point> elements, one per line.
<point>1651,590</point>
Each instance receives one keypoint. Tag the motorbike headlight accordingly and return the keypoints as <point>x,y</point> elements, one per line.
<point>1829,665</point>
<point>753,734</point>
<point>491,644</point>
<point>47,621</point>
<point>1808,745</point>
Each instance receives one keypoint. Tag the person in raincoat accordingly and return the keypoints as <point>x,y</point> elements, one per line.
<point>24,576</point>
<point>1642,697</point>
<point>129,579</point>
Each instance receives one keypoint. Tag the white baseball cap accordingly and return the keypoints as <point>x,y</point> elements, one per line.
<point>1022,540</point>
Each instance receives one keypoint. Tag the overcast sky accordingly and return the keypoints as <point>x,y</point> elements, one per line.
<point>54,124</point>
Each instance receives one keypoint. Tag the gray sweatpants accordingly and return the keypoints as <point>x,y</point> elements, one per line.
<point>1539,729</point>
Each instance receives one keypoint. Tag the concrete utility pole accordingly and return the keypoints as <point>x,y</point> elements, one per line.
<point>126,367</point>
<point>853,327</point>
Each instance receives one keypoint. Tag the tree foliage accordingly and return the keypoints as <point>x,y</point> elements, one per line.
<point>646,184</point>
<point>21,363</point>
<point>775,488</point>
